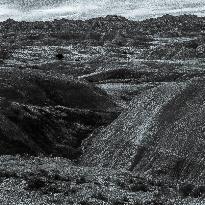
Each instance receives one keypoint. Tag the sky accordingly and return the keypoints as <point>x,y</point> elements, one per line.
<point>31,10</point>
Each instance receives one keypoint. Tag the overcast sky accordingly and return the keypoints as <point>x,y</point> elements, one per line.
<point>83,9</point>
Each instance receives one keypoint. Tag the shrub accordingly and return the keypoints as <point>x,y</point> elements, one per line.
<point>136,187</point>
<point>186,190</point>
<point>199,191</point>
<point>36,183</point>
<point>4,53</point>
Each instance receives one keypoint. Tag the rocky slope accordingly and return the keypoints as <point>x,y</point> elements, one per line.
<point>49,114</point>
<point>160,136</point>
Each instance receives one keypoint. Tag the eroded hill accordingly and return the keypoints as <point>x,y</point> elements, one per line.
<point>124,100</point>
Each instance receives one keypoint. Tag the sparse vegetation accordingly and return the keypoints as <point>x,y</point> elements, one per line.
<point>63,82</point>
<point>5,53</point>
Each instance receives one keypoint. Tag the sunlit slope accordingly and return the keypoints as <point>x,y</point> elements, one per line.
<point>162,134</point>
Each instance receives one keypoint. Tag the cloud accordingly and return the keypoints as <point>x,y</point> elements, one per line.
<point>83,9</point>
<point>6,13</point>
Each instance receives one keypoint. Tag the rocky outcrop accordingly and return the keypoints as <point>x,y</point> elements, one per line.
<point>161,135</point>
<point>100,31</point>
<point>97,31</point>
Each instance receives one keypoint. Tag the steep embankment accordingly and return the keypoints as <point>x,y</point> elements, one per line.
<point>161,135</point>
<point>49,114</point>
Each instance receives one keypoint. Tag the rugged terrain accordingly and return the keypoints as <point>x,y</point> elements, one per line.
<point>102,111</point>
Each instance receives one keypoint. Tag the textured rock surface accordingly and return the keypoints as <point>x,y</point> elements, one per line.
<point>43,180</point>
<point>161,134</point>
<point>152,154</point>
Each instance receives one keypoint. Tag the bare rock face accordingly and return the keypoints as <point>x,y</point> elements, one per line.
<point>49,114</point>
<point>161,135</point>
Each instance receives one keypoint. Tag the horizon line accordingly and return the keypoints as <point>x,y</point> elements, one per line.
<point>103,16</point>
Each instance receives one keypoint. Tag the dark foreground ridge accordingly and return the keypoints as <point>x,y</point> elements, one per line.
<point>103,111</point>
<point>48,114</point>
